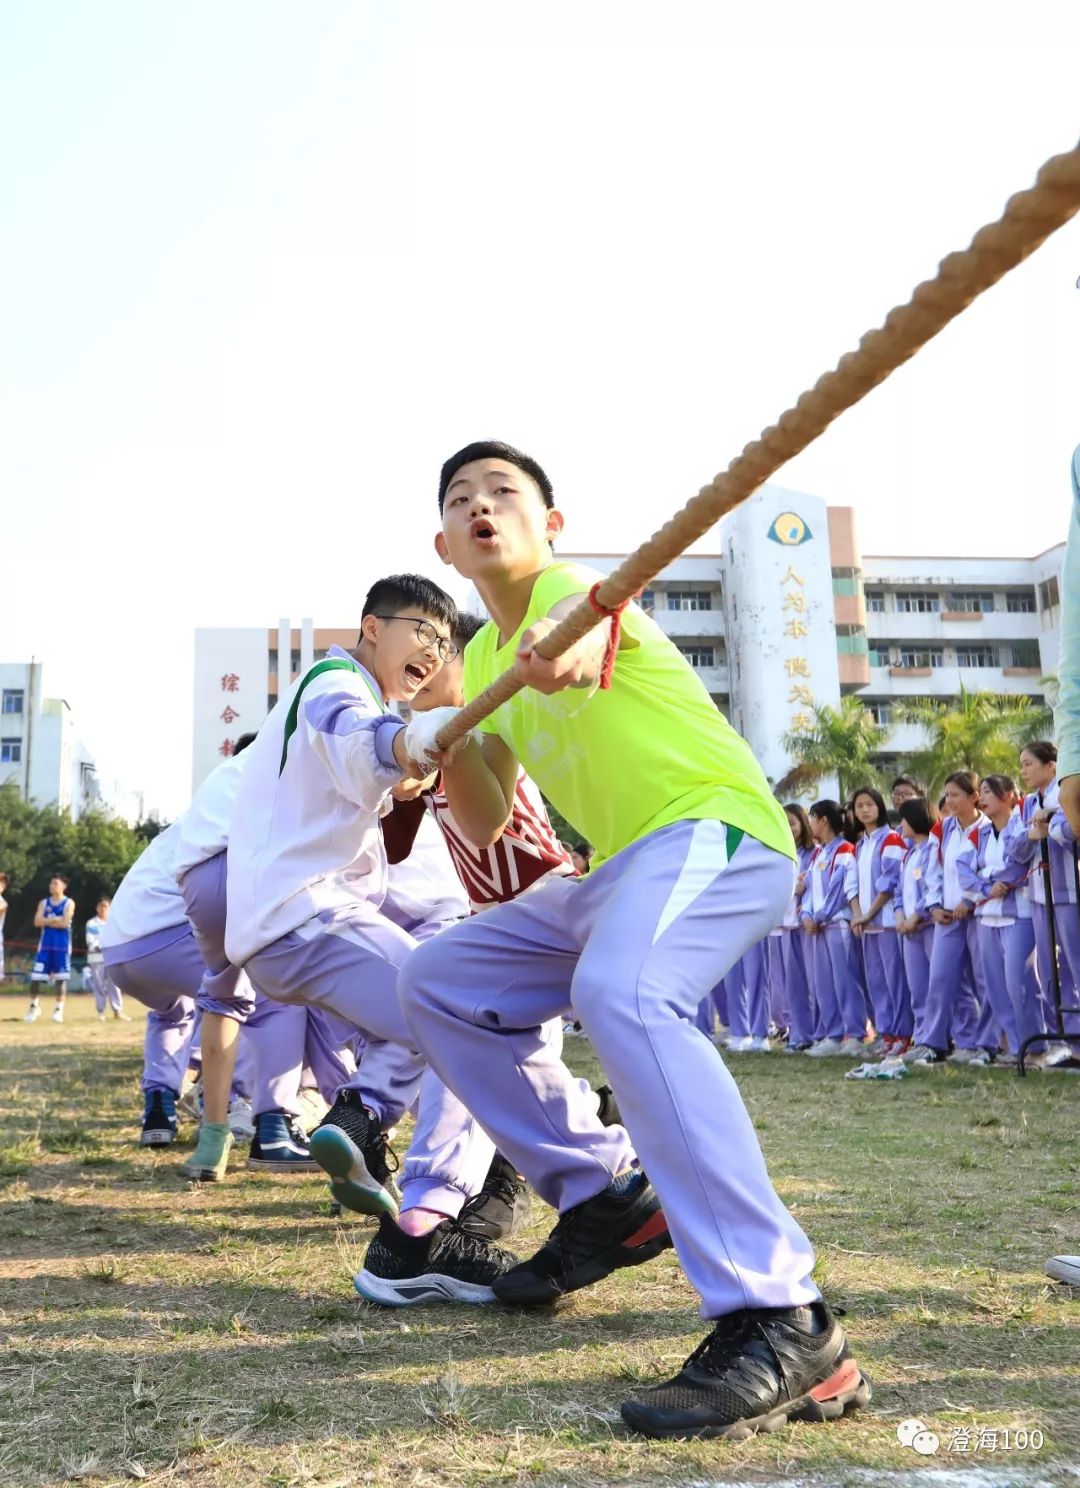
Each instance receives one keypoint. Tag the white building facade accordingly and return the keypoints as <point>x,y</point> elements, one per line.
<point>40,750</point>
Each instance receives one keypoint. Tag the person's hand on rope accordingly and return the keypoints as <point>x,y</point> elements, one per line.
<point>1039,829</point>
<point>577,667</point>
<point>415,747</point>
<point>1069,801</point>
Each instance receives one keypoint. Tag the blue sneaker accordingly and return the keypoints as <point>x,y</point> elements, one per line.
<point>279,1146</point>
<point>159,1119</point>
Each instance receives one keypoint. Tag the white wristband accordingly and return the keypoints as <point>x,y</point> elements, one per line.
<point>421,731</point>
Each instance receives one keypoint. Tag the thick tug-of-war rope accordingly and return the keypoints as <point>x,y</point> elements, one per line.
<point>1028,220</point>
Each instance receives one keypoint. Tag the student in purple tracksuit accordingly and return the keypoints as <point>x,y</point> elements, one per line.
<point>878,855</point>
<point>790,999</point>
<point>952,1008</point>
<point>826,918</point>
<point>1038,771</point>
<point>914,926</point>
<point>995,883</point>
<point>746,985</point>
<point>1062,836</point>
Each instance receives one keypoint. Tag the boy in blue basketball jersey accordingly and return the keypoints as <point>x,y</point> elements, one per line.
<point>53,960</point>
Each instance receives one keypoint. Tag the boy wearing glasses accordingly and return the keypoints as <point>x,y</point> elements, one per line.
<point>306,880</point>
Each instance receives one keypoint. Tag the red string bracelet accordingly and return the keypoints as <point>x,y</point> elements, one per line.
<point>615,616</point>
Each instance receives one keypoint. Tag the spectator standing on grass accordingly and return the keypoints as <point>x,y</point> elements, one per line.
<point>106,993</point>
<point>53,960</point>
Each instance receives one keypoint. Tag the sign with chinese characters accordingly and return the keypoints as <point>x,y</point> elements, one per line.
<point>232,672</point>
<point>782,633</point>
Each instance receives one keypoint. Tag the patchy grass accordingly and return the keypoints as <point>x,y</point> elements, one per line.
<point>158,1331</point>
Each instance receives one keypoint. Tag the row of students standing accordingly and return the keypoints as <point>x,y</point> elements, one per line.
<point>937,932</point>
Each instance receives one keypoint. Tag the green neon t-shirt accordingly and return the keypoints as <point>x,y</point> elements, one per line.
<point>652,750</point>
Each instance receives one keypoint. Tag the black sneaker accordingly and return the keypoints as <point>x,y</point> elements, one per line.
<point>756,1371</point>
<point>351,1146</point>
<point>449,1264</point>
<point>502,1205</point>
<point>608,1107</point>
<point>279,1145</point>
<point>159,1119</point>
<point>590,1241</point>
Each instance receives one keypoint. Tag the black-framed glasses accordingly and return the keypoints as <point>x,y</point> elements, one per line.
<point>427,635</point>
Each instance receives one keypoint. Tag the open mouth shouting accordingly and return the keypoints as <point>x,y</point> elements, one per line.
<point>483,534</point>
<point>416,673</point>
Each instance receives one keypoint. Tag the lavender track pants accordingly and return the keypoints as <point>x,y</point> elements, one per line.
<point>1067,925</point>
<point>224,989</point>
<point>952,1002</point>
<point>746,985</point>
<point>915,949</point>
<point>1007,979</point>
<point>164,978</point>
<point>789,963</point>
<point>634,948</point>
<point>106,992</point>
<point>286,1040</point>
<point>841,1010</point>
<point>346,963</point>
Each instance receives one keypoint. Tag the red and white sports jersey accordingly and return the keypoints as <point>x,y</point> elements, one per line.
<point>527,851</point>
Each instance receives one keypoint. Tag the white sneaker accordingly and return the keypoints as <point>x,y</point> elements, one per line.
<point>58,1015</point>
<point>759,1046</point>
<point>121,1017</point>
<point>1064,1268</point>
<point>1056,1053</point>
<point>824,1048</point>
<point>962,1056</point>
<point>33,1015</point>
<point>101,1017</point>
<point>852,1048</point>
<point>738,1045</point>
<point>241,1121</point>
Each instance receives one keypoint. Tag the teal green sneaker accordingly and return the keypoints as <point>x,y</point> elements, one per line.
<point>210,1160</point>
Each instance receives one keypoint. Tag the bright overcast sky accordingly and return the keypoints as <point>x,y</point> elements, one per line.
<point>267,263</point>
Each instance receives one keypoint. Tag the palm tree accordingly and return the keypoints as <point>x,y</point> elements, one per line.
<point>840,741</point>
<point>982,731</point>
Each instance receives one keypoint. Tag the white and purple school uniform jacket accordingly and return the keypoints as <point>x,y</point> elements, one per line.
<point>148,904</point>
<point>203,830</point>
<point>983,861</point>
<point>831,884</point>
<point>1063,839</point>
<point>1062,876</point>
<point>943,889</point>
<point>304,835</point>
<point>804,856</point>
<point>909,896</point>
<point>878,858</point>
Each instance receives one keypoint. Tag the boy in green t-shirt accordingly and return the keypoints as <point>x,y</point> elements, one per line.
<point>693,866</point>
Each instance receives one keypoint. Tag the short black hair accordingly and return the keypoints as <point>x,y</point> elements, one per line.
<point>466,626</point>
<point>62,877</point>
<point>410,592</point>
<point>242,743</point>
<point>584,850</point>
<point>906,780</point>
<point>1042,750</point>
<point>919,815</point>
<point>495,449</point>
<point>833,813</point>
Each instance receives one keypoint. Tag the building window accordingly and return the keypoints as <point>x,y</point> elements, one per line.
<point>880,712</point>
<point>925,656</point>
<point>879,656</point>
<point>1026,654</point>
<point>13,700</point>
<point>971,604</point>
<point>977,656</point>
<point>689,599</point>
<point>875,602</point>
<point>647,600</point>
<point>1049,594</point>
<point>699,656</point>
<point>10,751</point>
<point>1021,604</point>
<point>918,602</point>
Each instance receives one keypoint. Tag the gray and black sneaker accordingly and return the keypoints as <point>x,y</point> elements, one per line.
<point>623,1225</point>
<point>449,1264</point>
<point>502,1205</point>
<point>756,1371</point>
<point>351,1146</point>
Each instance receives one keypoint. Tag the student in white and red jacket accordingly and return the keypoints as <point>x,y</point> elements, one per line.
<point>879,853</point>
<point>825,915</point>
<point>952,1009</point>
<point>992,879</point>
<point>914,927</point>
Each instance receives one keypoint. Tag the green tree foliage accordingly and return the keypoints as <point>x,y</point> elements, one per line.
<point>982,731</point>
<point>842,742</point>
<point>94,853</point>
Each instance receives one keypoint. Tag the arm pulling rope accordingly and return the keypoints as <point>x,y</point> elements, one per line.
<point>1028,220</point>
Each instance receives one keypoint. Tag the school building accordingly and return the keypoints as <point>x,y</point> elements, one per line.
<point>781,612</point>
<point>40,750</point>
